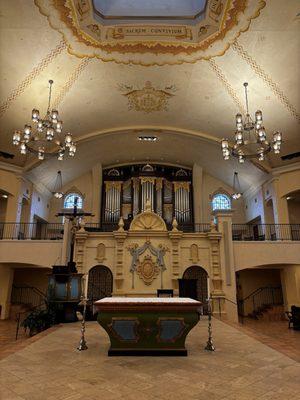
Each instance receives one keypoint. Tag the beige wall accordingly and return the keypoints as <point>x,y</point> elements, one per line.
<point>254,254</point>
<point>290,277</point>
<point>19,188</point>
<point>44,253</point>
<point>82,185</point>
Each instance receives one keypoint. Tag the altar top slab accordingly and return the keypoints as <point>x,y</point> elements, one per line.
<point>146,303</point>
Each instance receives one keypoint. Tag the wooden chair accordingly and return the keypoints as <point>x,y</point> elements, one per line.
<point>294,317</point>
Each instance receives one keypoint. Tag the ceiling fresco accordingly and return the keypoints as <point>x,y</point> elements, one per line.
<point>150,43</point>
<point>187,90</point>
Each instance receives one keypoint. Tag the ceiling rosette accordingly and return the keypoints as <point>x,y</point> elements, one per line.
<point>149,41</point>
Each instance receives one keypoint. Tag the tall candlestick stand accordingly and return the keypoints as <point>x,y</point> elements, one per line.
<point>82,344</point>
<point>209,345</point>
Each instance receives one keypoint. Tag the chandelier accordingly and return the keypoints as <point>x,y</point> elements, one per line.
<point>45,137</point>
<point>250,137</point>
<point>57,190</point>
<point>236,187</point>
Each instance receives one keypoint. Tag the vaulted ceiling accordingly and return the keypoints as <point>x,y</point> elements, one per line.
<point>110,90</point>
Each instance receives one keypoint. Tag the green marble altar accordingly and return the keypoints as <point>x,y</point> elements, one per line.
<point>147,326</point>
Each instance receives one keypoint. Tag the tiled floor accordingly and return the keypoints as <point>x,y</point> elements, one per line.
<point>241,368</point>
<point>8,342</point>
<point>274,334</point>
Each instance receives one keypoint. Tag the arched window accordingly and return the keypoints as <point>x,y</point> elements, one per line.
<point>69,201</point>
<point>221,201</point>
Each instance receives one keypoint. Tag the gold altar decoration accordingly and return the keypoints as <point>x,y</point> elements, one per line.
<point>88,34</point>
<point>147,270</point>
<point>148,98</point>
<point>148,220</point>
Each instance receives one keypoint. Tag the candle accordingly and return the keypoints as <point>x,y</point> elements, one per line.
<point>208,288</point>
<point>86,281</point>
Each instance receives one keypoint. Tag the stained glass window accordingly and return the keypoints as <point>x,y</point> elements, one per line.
<point>70,200</point>
<point>221,201</point>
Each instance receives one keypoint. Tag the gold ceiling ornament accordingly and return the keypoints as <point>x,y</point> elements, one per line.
<point>148,99</point>
<point>144,43</point>
<point>32,75</point>
<point>266,78</point>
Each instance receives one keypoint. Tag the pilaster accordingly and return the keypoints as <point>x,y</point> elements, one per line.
<point>81,237</point>
<point>175,237</point>
<point>120,237</point>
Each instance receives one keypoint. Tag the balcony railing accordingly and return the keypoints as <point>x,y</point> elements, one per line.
<point>261,232</point>
<point>110,227</point>
<point>33,231</point>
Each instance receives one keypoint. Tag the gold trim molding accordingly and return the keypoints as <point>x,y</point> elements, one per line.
<point>147,44</point>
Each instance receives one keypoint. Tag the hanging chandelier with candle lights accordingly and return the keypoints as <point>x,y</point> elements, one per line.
<point>250,137</point>
<point>45,137</point>
<point>57,190</point>
<point>237,192</point>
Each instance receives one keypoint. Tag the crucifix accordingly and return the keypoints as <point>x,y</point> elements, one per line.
<point>73,215</point>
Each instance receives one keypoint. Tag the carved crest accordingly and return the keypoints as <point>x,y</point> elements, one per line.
<point>147,270</point>
<point>148,99</point>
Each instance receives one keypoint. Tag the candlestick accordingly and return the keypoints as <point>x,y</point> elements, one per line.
<point>209,345</point>
<point>82,344</point>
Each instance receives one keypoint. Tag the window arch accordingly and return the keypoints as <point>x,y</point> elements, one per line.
<point>221,201</point>
<point>69,201</point>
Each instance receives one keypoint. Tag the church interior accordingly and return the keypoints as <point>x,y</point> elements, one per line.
<point>149,199</point>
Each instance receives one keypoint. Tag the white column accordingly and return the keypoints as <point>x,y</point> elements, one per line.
<point>97,192</point>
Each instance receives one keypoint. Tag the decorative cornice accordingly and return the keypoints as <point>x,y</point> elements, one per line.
<point>10,167</point>
<point>286,168</point>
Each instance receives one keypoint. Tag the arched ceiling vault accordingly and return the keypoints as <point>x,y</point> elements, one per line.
<point>188,93</point>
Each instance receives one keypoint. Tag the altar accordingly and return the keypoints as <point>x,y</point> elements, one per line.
<point>147,326</point>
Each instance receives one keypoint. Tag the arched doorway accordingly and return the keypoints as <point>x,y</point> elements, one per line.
<point>100,283</point>
<point>199,273</point>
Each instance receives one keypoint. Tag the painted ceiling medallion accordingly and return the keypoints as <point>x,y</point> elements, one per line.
<point>148,99</point>
<point>145,42</point>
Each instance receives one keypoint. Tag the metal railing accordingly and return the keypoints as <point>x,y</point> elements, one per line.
<point>110,227</point>
<point>262,232</point>
<point>27,295</point>
<point>259,300</point>
<point>31,230</point>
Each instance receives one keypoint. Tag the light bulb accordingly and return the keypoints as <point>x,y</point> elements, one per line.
<point>61,154</point>
<point>68,139</point>
<point>23,148</point>
<point>35,115</point>
<point>238,138</point>
<point>72,150</point>
<point>16,138</point>
<point>258,116</point>
<point>54,115</point>
<point>241,159</point>
<point>40,126</point>
<point>50,134</point>
<point>58,195</point>
<point>238,118</point>
<point>59,126</point>
<point>224,143</point>
<point>41,153</point>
